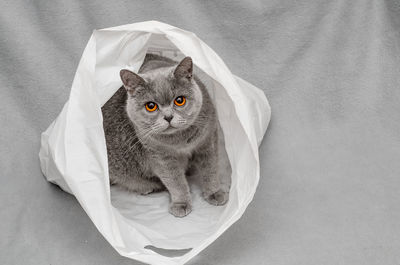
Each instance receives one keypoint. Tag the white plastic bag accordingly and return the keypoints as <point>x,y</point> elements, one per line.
<point>73,151</point>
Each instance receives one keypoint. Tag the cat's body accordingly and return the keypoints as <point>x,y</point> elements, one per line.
<point>150,150</point>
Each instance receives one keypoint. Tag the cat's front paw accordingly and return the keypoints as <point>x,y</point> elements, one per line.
<point>180,209</point>
<point>146,192</point>
<point>150,187</point>
<point>218,198</point>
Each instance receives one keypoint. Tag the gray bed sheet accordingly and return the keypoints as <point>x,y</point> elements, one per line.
<point>329,191</point>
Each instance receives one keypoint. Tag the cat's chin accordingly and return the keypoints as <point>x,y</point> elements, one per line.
<point>169,130</point>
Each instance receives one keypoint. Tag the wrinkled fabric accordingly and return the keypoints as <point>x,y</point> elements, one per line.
<point>329,185</point>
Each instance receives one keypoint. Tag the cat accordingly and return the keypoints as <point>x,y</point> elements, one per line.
<point>160,127</point>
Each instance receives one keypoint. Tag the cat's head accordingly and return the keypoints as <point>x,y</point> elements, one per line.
<point>164,100</point>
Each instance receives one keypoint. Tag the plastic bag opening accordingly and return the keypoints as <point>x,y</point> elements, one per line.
<point>168,252</point>
<point>73,151</point>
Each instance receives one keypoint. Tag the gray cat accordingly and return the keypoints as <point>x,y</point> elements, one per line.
<point>160,127</point>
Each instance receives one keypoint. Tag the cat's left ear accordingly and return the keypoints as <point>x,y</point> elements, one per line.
<point>131,80</point>
<point>184,70</point>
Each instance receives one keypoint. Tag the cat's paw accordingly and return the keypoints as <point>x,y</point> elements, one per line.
<point>218,198</point>
<point>180,209</point>
<point>146,192</point>
<point>150,188</point>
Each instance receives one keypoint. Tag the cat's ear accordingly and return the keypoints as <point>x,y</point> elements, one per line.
<point>131,80</point>
<point>184,70</point>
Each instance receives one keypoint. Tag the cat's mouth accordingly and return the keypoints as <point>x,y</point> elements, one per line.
<point>170,128</point>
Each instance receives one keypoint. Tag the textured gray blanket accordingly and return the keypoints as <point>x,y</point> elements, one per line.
<point>330,162</point>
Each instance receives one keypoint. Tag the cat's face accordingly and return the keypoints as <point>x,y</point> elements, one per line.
<point>164,100</point>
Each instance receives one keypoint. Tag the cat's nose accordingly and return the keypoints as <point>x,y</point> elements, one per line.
<point>168,118</point>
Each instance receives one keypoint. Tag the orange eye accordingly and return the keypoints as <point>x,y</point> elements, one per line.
<point>180,101</point>
<point>151,106</point>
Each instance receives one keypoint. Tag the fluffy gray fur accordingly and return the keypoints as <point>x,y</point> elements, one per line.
<point>154,151</point>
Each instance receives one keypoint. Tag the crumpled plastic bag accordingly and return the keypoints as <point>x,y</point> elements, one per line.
<point>73,151</point>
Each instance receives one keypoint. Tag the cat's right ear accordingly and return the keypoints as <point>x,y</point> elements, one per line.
<point>131,80</point>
